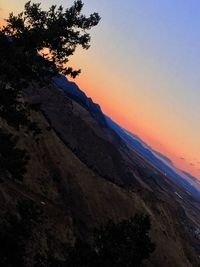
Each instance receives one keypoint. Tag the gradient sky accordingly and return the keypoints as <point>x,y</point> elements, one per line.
<point>143,68</point>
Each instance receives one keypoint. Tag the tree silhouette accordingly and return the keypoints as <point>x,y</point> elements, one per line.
<point>22,42</point>
<point>126,243</point>
<point>56,31</point>
<point>123,244</point>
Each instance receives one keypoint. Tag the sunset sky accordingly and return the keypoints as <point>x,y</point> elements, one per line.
<point>143,68</point>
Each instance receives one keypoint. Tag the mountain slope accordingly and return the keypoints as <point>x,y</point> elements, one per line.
<point>105,154</point>
<point>158,160</point>
<point>81,174</point>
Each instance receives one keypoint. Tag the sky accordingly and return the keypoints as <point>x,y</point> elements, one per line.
<point>143,69</point>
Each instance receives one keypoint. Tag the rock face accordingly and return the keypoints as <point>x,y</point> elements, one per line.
<point>81,174</point>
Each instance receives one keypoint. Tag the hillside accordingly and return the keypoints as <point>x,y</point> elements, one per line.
<point>81,174</point>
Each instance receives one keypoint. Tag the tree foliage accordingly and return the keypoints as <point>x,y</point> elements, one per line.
<point>56,31</point>
<point>23,41</point>
<point>123,244</point>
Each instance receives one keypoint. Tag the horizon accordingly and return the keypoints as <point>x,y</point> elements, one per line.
<point>142,68</point>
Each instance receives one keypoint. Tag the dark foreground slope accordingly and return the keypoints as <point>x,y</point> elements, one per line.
<point>81,174</point>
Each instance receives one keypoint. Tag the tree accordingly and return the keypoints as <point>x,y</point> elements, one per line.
<point>126,243</point>
<point>123,244</point>
<point>24,40</point>
<point>56,31</point>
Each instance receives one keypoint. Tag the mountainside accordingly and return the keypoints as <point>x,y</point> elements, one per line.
<point>81,173</point>
<point>158,160</point>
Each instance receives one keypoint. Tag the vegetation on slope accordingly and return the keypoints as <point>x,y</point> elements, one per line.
<point>126,243</point>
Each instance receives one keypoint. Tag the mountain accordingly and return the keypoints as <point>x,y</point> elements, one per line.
<point>83,172</point>
<point>156,172</point>
<point>73,91</point>
<point>164,164</point>
<point>158,160</point>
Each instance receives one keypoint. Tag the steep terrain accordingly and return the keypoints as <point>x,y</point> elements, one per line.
<point>81,174</point>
